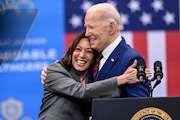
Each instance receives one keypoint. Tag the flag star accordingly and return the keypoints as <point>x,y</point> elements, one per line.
<point>85,5</point>
<point>76,21</point>
<point>146,18</point>
<point>113,3</point>
<point>169,18</point>
<point>157,5</point>
<point>124,18</point>
<point>134,5</point>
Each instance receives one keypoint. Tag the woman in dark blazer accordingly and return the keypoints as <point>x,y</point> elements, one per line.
<point>66,93</point>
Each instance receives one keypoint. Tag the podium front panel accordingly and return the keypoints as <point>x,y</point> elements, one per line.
<point>163,108</point>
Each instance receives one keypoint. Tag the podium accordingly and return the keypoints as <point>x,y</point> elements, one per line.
<point>160,108</point>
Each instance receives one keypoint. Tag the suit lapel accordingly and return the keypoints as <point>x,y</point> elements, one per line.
<point>112,59</point>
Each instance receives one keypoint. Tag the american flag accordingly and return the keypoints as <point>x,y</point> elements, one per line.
<point>150,26</point>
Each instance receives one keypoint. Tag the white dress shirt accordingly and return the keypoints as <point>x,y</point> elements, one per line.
<point>108,50</point>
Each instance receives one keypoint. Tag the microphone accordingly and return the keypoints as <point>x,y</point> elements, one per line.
<point>158,74</point>
<point>141,75</point>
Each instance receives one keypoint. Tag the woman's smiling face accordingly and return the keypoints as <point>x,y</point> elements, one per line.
<point>82,56</point>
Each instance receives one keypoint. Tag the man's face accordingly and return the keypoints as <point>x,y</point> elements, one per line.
<point>97,31</point>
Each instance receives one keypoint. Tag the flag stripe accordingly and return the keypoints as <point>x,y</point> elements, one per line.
<point>157,51</point>
<point>173,60</point>
<point>140,44</point>
<point>128,37</point>
<point>68,39</point>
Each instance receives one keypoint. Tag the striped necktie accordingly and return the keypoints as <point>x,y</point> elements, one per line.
<point>96,66</point>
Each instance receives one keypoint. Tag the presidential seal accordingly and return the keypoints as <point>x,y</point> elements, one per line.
<point>151,113</point>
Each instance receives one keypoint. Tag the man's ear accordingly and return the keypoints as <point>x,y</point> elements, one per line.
<point>112,27</point>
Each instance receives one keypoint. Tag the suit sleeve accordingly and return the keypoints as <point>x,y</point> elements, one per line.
<point>59,81</point>
<point>136,90</point>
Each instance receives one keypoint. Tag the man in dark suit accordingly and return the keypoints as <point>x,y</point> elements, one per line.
<point>103,25</point>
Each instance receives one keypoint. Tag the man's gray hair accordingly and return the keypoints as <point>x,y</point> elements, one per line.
<point>110,13</point>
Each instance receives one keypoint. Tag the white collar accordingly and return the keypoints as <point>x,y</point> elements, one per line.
<point>109,49</point>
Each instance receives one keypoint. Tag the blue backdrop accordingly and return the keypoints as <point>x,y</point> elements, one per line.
<point>31,37</point>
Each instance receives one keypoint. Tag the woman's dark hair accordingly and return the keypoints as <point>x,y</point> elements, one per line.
<point>67,59</point>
